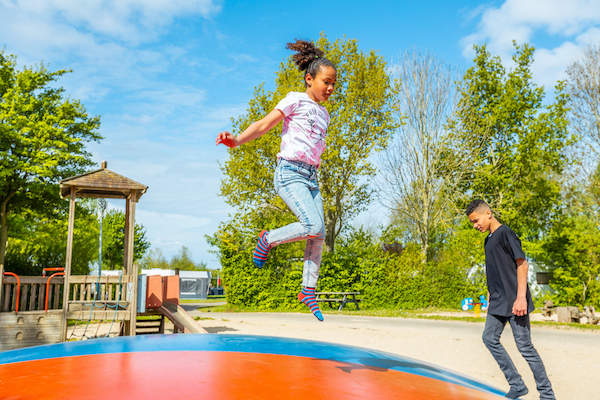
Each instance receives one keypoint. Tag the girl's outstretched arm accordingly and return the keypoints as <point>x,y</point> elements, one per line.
<point>256,129</point>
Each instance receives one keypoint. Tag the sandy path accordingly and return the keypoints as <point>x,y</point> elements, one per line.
<point>572,357</point>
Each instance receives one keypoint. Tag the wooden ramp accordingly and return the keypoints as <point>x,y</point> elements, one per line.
<point>182,321</point>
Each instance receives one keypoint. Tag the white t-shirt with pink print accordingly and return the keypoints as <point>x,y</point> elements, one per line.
<point>304,128</point>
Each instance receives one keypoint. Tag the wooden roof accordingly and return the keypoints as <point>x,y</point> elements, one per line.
<point>102,183</point>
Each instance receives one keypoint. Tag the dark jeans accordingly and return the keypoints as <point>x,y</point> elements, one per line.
<point>494,325</point>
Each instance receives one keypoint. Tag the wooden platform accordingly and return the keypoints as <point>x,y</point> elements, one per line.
<point>29,328</point>
<point>33,325</point>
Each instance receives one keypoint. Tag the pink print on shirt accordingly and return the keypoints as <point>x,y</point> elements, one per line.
<point>304,128</point>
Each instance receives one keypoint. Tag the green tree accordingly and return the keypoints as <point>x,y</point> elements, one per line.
<point>571,248</point>
<point>154,259</point>
<point>113,240</point>
<point>182,261</point>
<point>583,86</point>
<point>594,187</point>
<point>42,138</point>
<point>522,142</point>
<point>39,240</point>
<point>572,251</point>
<point>363,117</point>
<point>418,180</point>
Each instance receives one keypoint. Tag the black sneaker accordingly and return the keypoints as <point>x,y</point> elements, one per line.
<point>516,393</point>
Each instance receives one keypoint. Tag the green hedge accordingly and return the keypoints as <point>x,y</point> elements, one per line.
<point>359,263</point>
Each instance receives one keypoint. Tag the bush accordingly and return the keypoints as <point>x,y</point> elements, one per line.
<point>359,263</point>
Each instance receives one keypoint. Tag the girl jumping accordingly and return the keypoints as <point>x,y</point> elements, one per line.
<point>305,123</point>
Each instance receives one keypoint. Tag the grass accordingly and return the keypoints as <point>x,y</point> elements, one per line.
<point>204,318</point>
<point>567,325</point>
<point>75,322</point>
<point>211,299</point>
<point>202,301</point>
<point>147,317</point>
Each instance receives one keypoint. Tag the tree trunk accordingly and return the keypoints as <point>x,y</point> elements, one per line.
<point>330,235</point>
<point>3,231</point>
<point>425,222</point>
<point>3,238</point>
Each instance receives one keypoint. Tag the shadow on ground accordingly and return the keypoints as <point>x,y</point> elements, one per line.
<point>218,329</point>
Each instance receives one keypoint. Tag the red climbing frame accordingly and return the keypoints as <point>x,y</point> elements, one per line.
<point>18,287</point>
<point>48,285</point>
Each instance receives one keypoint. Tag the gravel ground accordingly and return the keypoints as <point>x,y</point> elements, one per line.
<point>571,356</point>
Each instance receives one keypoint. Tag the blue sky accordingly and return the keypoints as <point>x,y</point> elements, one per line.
<point>167,75</point>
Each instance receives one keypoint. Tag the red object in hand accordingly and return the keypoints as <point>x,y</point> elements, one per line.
<point>227,139</point>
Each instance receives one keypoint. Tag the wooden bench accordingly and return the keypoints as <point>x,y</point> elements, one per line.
<point>338,297</point>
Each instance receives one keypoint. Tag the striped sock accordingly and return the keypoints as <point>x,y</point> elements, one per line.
<point>261,251</point>
<point>307,296</point>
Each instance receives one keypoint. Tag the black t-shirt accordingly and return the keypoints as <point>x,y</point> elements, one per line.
<point>502,249</point>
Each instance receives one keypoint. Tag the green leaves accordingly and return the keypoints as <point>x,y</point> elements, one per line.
<point>524,142</point>
<point>572,250</point>
<point>39,240</point>
<point>182,261</point>
<point>113,240</point>
<point>42,137</point>
<point>363,117</point>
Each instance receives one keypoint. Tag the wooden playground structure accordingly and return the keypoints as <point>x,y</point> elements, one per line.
<point>35,309</point>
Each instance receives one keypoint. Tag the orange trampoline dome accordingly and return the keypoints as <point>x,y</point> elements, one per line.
<point>224,367</point>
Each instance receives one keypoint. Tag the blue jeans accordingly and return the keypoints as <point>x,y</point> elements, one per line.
<point>296,183</point>
<point>521,328</point>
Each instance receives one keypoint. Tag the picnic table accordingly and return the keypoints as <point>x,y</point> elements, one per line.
<point>338,297</point>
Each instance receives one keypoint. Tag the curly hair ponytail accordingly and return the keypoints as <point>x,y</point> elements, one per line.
<point>308,57</point>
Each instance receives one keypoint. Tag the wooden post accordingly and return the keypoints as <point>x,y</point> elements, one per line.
<point>133,299</point>
<point>126,235</point>
<point>1,281</point>
<point>130,232</point>
<point>3,240</point>
<point>68,264</point>
<point>130,269</point>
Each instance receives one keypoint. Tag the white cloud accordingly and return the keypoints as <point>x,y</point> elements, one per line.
<point>175,155</point>
<point>170,231</point>
<point>100,40</point>
<point>550,64</point>
<point>243,58</point>
<point>127,20</point>
<point>156,128</point>
<point>573,25</point>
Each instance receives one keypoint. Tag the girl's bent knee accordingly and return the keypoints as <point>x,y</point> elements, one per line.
<point>315,230</point>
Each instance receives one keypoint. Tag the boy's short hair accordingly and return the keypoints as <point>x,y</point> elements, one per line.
<point>475,205</point>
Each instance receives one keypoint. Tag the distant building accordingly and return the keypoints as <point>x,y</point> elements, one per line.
<point>110,272</point>
<point>194,284</point>
<point>158,271</point>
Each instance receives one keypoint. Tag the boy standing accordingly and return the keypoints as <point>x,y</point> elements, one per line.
<point>509,301</point>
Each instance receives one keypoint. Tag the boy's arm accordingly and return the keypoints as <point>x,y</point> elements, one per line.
<point>520,306</point>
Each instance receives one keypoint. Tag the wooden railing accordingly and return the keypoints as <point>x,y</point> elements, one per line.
<point>110,303</point>
<point>110,288</point>
<point>40,316</point>
<point>32,293</point>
